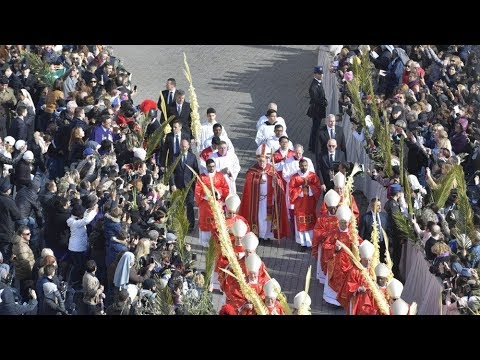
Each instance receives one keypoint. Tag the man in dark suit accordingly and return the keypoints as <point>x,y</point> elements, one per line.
<point>168,95</point>
<point>18,130</point>
<point>153,123</point>
<point>171,145</point>
<point>328,163</point>
<point>327,132</point>
<point>366,222</point>
<point>318,105</point>
<point>182,176</point>
<point>181,109</point>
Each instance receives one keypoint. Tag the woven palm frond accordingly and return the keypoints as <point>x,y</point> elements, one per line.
<point>375,239</point>
<point>349,202</point>
<point>157,136</point>
<point>163,108</point>
<point>388,259</point>
<point>196,126</point>
<point>377,294</point>
<point>228,251</point>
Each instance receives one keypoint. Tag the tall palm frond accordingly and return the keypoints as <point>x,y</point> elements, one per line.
<point>442,192</point>
<point>157,136</point>
<point>196,126</point>
<point>170,169</point>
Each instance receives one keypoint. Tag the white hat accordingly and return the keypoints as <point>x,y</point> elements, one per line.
<point>366,249</point>
<point>339,180</point>
<point>265,150</point>
<point>399,307</point>
<point>331,198</point>
<point>412,179</point>
<point>395,288</point>
<point>272,288</point>
<point>239,228</point>
<point>382,270</point>
<point>253,263</point>
<point>19,144</point>
<point>9,140</point>
<point>28,155</point>
<point>300,298</point>
<point>344,213</point>
<point>232,202</point>
<point>139,153</point>
<point>250,241</point>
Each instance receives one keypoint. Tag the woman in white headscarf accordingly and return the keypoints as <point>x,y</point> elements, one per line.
<point>126,274</point>
<point>25,99</point>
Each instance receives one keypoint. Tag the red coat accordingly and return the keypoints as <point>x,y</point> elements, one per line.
<point>276,207</point>
<point>304,207</point>
<point>236,298</point>
<point>324,226</point>
<point>362,303</point>
<point>206,221</point>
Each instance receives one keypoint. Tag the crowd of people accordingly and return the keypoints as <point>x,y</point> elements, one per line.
<point>87,180</point>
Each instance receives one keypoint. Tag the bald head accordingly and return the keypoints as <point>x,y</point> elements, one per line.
<point>436,230</point>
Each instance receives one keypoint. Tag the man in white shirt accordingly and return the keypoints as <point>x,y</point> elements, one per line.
<point>266,131</point>
<point>207,128</point>
<point>263,118</point>
<point>273,142</point>
<point>218,131</point>
<point>227,163</point>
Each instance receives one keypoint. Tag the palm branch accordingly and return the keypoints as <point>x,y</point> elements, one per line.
<point>154,139</point>
<point>442,192</point>
<point>464,223</point>
<point>388,259</point>
<point>210,260</point>
<point>40,68</point>
<point>163,304</point>
<point>404,179</point>
<point>163,108</point>
<point>403,225</point>
<point>170,169</point>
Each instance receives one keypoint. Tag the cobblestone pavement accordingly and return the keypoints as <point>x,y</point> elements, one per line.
<point>239,82</point>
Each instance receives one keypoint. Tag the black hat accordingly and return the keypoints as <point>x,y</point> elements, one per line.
<point>318,70</point>
<point>78,210</point>
<point>24,66</point>
<point>3,80</point>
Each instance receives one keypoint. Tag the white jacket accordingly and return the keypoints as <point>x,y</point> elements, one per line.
<point>78,241</point>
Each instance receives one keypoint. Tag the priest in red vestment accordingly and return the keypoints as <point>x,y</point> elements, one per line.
<point>271,290</point>
<point>324,225</point>
<point>304,187</point>
<point>263,201</point>
<point>206,221</point>
<point>356,291</point>
<point>339,187</point>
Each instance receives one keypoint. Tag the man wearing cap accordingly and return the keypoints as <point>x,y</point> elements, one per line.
<point>271,290</point>
<point>318,105</point>
<point>263,200</point>
<point>232,205</point>
<point>7,103</point>
<point>207,129</point>
<point>338,262</point>
<point>339,187</point>
<point>304,191</point>
<point>325,225</point>
<point>356,293</point>
<point>211,178</point>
